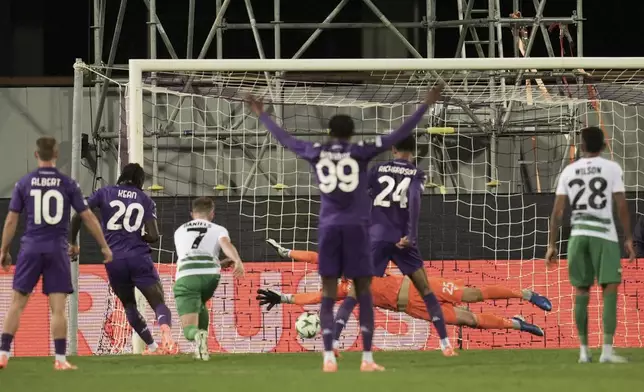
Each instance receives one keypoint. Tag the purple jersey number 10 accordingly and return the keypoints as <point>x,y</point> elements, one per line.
<point>42,202</point>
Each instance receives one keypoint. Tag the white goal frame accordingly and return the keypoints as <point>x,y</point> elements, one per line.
<point>137,67</point>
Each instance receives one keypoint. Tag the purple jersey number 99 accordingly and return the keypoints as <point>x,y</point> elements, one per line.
<point>343,175</point>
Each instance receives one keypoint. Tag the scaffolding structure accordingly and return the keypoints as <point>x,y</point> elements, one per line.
<point>480,27</point>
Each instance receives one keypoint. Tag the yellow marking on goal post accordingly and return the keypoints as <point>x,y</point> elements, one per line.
<point>280,187</point>
<point>220,187</point>
<point>441,130</point>
<point>493,183</point>
<point>155,188</point>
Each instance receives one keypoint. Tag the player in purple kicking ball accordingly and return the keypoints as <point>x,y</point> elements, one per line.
<point>46,196</point>
<point>343,229</point>
<point>125,210</point>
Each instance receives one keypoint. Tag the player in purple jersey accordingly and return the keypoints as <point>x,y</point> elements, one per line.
<point>396,188</point>
<point>46,197</point>
<point>343,228</point>
<point>125,210</point>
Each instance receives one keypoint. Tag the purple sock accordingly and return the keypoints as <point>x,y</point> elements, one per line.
<point>60,346</point>
<point>164,316</point>
<point>138,324</point>
<point>366,320</point>
<point>343,315</point>
<point>435,312</point>
<point>5,342</point>
<point>326,321</point>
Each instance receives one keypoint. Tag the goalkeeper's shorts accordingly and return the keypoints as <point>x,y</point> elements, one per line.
<point>192,292</point>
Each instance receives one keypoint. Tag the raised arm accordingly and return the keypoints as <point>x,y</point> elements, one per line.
<point>299,147</point>
<point>410,123</point>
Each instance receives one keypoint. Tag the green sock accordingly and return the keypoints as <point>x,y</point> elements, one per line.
<point>190,331</point>
<point>609,317</point>
<point>204,319</point>
<point>581,317</point>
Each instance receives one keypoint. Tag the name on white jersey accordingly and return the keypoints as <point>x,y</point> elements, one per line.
<point>585,171</point>
<point>196,223</point>
<point>127,194</point>
<point>45,181</point>
<point>334,156</point>
<point>397,170</point>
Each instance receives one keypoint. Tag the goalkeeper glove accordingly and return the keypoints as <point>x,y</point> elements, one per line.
<point>272,298</point>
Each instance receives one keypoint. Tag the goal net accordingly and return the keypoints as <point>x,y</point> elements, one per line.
<point>492,149</point>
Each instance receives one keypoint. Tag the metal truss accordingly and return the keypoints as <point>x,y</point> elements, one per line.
<point>479,24</point>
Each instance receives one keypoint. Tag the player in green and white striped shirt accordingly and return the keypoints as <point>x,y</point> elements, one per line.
<point>198,244</point>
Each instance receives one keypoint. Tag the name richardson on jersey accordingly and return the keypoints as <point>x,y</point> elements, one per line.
<point>45,181</point>
<point>123,194</point>
<point>392,169</point>
<point>334,156</point>
<point>587,171</point>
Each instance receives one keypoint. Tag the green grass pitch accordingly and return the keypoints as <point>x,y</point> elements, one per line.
<point>472,371</point>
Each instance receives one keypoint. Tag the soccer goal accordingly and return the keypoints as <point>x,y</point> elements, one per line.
<point>492,149</point>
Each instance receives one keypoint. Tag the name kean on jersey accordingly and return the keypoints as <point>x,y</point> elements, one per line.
<point>397,170</point>
<point>127,194</point>
<point>586,171</point>
<point>45,181</point>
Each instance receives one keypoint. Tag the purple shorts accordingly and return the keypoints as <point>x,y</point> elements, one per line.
<point>132,272</point>
<point>408,260</point>
<point>53,266</point>
<point>344,251</point>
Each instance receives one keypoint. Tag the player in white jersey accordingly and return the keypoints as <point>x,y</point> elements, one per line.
<point>590,185</point>
<point>198,244</point>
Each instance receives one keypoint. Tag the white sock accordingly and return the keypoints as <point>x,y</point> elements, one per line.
<point>607,349</point>
<point>329,356</point>
<point>153,347</point>
<point>527,294</point>
<point>5,353</point>
<point>445,343</point>
<point>336,344</point>
<point>367,356</point>
<point>61,358</point>
<point>583,351</point>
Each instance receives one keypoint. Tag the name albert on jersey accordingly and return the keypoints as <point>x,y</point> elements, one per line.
<point>589,184</point>
<point>197,246</point>
<point>46,196</point>
<point>124,211</point>
<point>390,184</point>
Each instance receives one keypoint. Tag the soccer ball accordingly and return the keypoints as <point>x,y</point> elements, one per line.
<point>307,325</point>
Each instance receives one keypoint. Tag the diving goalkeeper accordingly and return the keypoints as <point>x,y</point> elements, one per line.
<point>392,292</point>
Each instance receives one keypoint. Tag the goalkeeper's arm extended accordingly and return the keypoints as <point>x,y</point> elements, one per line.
<point>272,298</point>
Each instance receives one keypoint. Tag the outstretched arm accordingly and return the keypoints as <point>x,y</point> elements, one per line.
<point>299,147</point>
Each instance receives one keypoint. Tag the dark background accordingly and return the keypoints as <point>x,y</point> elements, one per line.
<point>511,233</point>
<point>43,37</point>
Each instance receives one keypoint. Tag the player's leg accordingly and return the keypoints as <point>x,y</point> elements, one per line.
<point>188,299</point>
<point>330,269</point>
<point>146,279</point>
<point>581,276</point>
<point>411,264</point>
<point>358,266</point>
<point>57,285</point>
<point>607,266</point>
<point>125,294</point>
<point>475,294</point>
<point>465,317</point>
<point>28,270</point>
<point>380,256</point>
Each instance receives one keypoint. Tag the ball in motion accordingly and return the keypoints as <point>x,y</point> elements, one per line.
<point>308,325</point>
